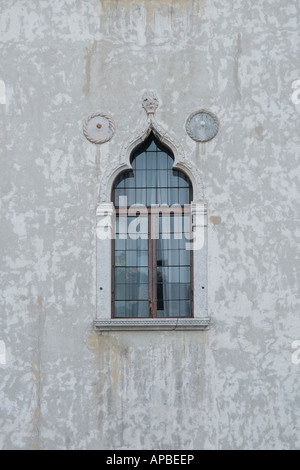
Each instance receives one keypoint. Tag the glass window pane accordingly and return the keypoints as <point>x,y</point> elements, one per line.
<point>173,291</point>
<point>139,244</point>
<point>130,193</point>
<point>120,292</point>
<point>162,179</point>
<point>151,160</point>
<point>172,243</point>
<point>141,196</point>
<point>164,245</point>
<point>185,257</point>
<point>151,196</point>
<point>173,274</point>
<point>120,245</point>
<point>131,258</point>
<point>151,178</point>
<point>120,182</point>
<point>174,308</point>
<point>120,258</point>
<point>120,308</point>
<point>184,196</point>
<point>161,311</point>
<point>183,180</point>
<point>162,161</point>
<point>136,275</point>
<point>140,179</point>
<point>153,169</point>
<point>173,258</point>
<point>143,292</point>
<point>137,309</point>
<point>136,292</point>
<point>139,163</point>
<point>173,196</point>
<point>152,146</point>
<point>184,291</point>
<point>129,180</point>
<point>185,308</point>
<point>184,274</point>
<point>182,243</point>
<point>120,275</point>
<point>160,291</point>
<point>170,162</point>
<point>142,258</point>
<point>162,196</point>
<point>173,180</point>
<point>131,308</point>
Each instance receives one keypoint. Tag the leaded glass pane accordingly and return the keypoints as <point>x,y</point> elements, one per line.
<point>152,180</point>
<point>173,288</point>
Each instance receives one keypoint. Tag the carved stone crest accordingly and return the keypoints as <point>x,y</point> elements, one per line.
<point>202,125</point>
<point>150,102</point>
<point>99,128</point>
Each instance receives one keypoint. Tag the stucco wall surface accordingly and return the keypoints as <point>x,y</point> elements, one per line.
<point>62,385</point>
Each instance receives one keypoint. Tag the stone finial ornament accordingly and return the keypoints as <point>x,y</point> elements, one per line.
<point>99,128</point>
<point>150,102</point>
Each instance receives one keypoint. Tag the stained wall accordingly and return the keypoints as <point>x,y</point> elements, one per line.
<point>62,385</point>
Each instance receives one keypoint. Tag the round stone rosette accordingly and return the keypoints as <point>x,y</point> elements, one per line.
<point>202,125</point>
<point>99,128</point>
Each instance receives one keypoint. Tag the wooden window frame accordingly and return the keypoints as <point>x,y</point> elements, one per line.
<point>153,213</point>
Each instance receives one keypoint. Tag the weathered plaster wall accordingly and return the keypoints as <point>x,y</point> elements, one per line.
<point>65,387</point>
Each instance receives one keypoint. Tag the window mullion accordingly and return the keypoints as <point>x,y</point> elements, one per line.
<point>150,269</point>
<point>154,219</point>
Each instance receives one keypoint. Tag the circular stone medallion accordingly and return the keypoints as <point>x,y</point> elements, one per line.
<point>202,125</point>
<point>99,128</point>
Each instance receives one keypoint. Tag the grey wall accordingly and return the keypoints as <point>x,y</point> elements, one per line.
<point>66,387</point>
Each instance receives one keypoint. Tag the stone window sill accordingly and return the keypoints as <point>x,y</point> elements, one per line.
<point>152,324</point>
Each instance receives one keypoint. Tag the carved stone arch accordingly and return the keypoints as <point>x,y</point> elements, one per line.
<point>105,217</point>
<point>180,161</point>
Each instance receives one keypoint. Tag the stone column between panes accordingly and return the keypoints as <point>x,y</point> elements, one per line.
<point>199,247</point>
<point>105,232</point>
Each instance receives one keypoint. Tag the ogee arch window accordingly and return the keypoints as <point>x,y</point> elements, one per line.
<point>152,267</point>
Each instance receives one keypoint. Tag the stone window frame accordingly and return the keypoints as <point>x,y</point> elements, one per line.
<point>105,210</point>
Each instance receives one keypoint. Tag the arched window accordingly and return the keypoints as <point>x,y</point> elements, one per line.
<point>152,267</point>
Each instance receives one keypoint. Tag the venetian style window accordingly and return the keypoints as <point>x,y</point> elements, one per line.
<point>152,275</point>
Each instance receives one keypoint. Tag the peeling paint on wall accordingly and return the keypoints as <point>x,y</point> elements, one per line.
<point>215,219</point>
<point>63,386</point>
<point>89,55</point>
